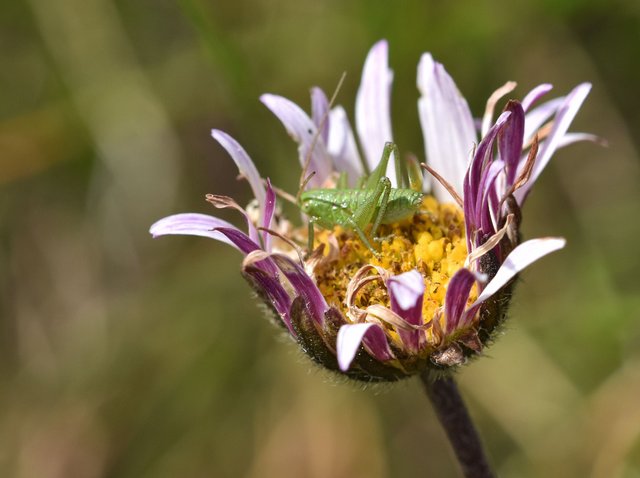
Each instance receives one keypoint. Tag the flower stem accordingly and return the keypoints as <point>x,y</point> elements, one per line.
<point>454,418</point>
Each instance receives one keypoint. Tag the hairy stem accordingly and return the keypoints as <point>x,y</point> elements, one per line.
<point>454,417</point>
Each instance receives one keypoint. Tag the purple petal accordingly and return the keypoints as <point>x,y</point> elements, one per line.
<point>342,146</point>
<point>304,132</point>
<point>526,253</point>
<point>534,95</point>
<point>244,164</point>
<point>473,183</point>
<point>406,292</point>
<point>246,245</point>
<point>303,285</point>
<point>375,341</point>
<point>239,238</point>
<point>447,125</point>
<point>561,124</point>
<point>457,296</point>
<point>269,210</point>
<point>278,296</point>
<point>320,112</point>
<point>468,315</point>
<point>510,140</point>
<point>193,224</point>
<point>373,116</point>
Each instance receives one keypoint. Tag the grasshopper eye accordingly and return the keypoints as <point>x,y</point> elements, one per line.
<point>305,205</point>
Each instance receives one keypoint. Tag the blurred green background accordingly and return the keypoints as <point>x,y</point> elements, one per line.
<point>123,356</point>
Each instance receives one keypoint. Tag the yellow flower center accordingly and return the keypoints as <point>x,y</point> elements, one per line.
<point>432,241</point>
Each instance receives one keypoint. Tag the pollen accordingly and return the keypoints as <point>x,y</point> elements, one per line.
<point>432,241</point>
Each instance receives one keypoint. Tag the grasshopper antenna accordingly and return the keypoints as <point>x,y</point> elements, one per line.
<point>304,178</point>
<point>306,181</point>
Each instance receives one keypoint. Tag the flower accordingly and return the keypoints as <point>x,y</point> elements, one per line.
<point>437,289</point>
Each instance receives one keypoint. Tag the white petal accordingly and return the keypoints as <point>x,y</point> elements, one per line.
<point>570,138</point>
<point>192,224</point>
<point>534,95</point>
<point>535,118</point>
<point>373,110</point>
<point>348,341</point>
<point>342,146</point>
<point>447,125</point>
<point>319,111</point>
<point>304,132</point>
<point>244,164</point>
<point>526,253</point>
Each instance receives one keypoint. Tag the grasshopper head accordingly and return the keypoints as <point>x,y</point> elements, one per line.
<point>316,202</point>
<point>306,203</point>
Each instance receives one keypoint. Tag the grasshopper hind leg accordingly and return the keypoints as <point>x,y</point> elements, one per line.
<point>352,224</point>
<point>362,236</point>
<point>382,192</point>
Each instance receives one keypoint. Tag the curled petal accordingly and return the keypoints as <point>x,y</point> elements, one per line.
<point>359,280</point>
<point>244,164</point>
<point>373,110</point>
<point>490,243</point>
<point>505,89</point>
<point>447,124</point>
<point>304,132</point>
<point>193,224</point>
<point>380,314</point>
<point>526,253</point>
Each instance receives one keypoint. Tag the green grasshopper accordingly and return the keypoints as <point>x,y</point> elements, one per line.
<point>375,202</point>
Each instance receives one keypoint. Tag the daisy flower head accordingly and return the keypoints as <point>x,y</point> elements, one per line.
<point>399,267</point>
